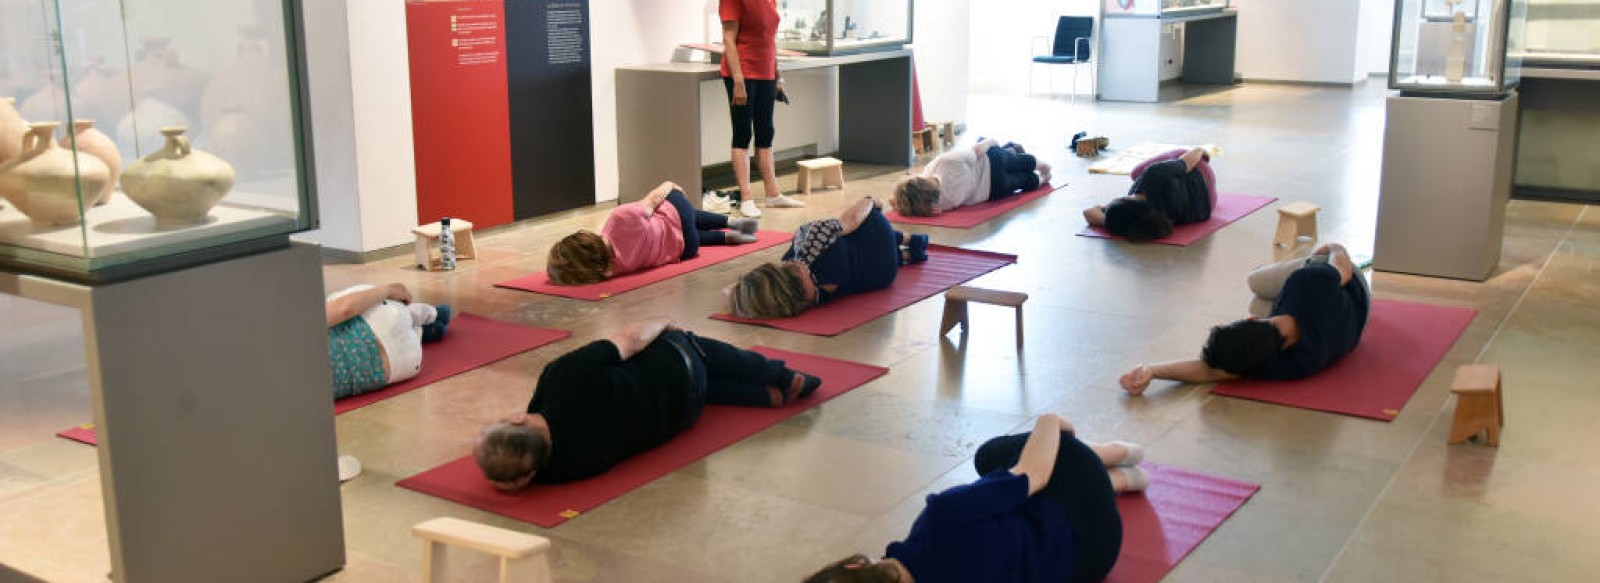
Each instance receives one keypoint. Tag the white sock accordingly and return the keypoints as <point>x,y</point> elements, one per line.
<point>1135,454</point>
<point>1135,478</point>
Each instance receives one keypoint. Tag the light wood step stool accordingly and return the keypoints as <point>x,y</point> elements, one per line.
<point>946,131</point>
<point>427,243</point>
<point>832,173</point>
<point>923,140</point>
<point>523,557</point>
<point>955,306</point>
<point>1296,220</point>
<point>1479,405</point>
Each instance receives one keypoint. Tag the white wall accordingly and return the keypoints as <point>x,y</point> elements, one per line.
<point>941,36</point>
<point>1002,43</point>
<point>1377,34</point>
<point>1300,40</point>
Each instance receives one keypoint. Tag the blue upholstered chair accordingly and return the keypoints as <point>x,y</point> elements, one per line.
<point>1073,46</point>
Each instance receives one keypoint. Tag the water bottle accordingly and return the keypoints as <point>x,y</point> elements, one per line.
<point>447,246</point>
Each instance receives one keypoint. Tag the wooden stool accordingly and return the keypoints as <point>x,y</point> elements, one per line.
<point>523,557</point>
<point>947,132</point>
<point>955,306</point>
<point>428,235</point>
<point>922,140</point>
<point>1479,406</point>
<point>832,173</point>
<point>1296,220</point>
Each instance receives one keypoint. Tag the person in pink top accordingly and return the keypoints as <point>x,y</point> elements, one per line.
<point>750,75</point>
<point>661,228</point>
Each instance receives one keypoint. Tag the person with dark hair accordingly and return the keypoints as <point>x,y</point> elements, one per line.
<point>1320,310</point>
<point>1174,188</point>
<point>659,229</point>
<point>963,176</point>
<point>612,399</point>
<point>857,252</point>
<point>1044,510</point>
<point>750,76</point>
<point>375,336</point>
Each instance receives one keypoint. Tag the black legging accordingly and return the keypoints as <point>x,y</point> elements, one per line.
<point>699,227</point>
<point>755,116</point>
<point>725,374</point>
<point>1080,484</point>
<point>1010,172</point>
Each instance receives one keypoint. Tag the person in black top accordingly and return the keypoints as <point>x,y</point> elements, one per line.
<point>1175,188</point>
<point>1319,315</point>
<point>611,399</point>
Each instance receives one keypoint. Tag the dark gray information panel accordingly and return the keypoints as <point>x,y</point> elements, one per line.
<point>552,116</point>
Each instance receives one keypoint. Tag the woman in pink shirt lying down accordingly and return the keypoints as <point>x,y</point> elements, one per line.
<point>660,229</point>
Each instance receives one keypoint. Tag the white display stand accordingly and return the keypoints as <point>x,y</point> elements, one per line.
<point>121,226</point>
<point>210,389</point>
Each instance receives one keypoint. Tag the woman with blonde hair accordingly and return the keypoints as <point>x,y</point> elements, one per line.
<point>857,252</point>
<point>641,235</point>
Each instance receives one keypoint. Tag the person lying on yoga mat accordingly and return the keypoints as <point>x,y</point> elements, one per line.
<point>1044,509</point>
<point>1174,188</point>
<point>1320,309</point>
<point>641,235</point>
<point>857,252</point>
<point>612,399</point>
<point>375,336</point>
<point>963,176</point>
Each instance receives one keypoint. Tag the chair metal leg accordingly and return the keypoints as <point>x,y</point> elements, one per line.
<point>1074,83</point>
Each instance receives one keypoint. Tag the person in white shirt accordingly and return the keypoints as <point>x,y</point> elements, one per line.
<point>964,176</point>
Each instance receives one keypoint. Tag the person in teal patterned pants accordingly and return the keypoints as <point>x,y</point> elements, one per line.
<point>375,336</point>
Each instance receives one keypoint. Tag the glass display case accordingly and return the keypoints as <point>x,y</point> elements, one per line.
<point>1562,33</point>
<point>1457,47</point>
<point>1163,7</point>
<point>835,27</point>
<point>143,135</point>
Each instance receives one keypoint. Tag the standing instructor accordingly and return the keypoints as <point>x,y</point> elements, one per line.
<point>750,74</point>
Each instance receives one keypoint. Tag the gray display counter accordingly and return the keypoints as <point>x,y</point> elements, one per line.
<point>1556,155</point>
<point>1130,52</point>
<point>659,117</point>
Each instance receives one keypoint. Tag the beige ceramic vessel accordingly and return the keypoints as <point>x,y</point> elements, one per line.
<point>178,184</point>
<point>95,143</point>
<point>44,181</point>
<point>12,128</point>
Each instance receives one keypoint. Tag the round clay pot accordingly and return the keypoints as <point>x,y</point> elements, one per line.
<point>178,184</point>
<point>12,128</point>
<point>44,181</point>
<point>94,143</point>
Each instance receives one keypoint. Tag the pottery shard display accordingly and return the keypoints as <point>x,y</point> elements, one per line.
<point>178,184</point>
<point>88,140</point>
<point>45,180</point>
<point>12,128</point>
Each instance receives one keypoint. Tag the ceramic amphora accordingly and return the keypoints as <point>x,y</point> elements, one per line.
<point>12,127</point>
<point>45,180</point>
<point>178,184</point>
<point>94,143</point>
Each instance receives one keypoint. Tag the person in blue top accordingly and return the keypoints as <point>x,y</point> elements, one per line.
<point>1044,510</point>
<point>857,252</point>
<point>1319,312</point>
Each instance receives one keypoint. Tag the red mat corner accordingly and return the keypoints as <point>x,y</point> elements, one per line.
<point>946,267</point>
<point>1402,344</point>
<point>1166,522</point>
<point>718,427</point>
<point>709,255</point>
<point>1230,208</point>
<point>473,341</point>
<point>971,216</point>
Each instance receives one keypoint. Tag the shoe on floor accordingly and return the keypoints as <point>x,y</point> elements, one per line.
<point>434,331</point>
<point>748,209</point>
<point>917,249</point>
<point>715,202</point>
<point>783,202</point>
<point>349,468</point>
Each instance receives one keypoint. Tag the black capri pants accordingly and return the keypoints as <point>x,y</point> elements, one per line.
<point>755,116</point>
<point>1080,484</point>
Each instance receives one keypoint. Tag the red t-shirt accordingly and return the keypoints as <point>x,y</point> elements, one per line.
<point>758,37</point>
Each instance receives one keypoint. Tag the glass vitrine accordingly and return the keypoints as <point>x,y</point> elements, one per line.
<point>1163,7</point>
<point>833,27</point>
<point>1563,33</point>
<point>1457,47</point>
<point>138,135</point>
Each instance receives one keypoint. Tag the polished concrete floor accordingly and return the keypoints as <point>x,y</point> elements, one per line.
<point>1342,499</point>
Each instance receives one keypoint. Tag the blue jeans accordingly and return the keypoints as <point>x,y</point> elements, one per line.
<point>699,227</point>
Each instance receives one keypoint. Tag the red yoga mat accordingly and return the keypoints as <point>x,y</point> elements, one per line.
<point>971,216</point>
<point>1402,343</point>
<point>473,341</point>
<point>718,427</point>
<point>1164,524</point>
<point>946,267</point>
<point>1230,208</point>
<point>709,255</point>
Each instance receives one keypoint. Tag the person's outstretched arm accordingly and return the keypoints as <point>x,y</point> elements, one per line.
<point>1339,258</point>
<point>634,338</point>
<point>852,217</point>
<point>1096,215</point>
<point>658,195</point>
<point>1188,371</point>
<point>353,304</point>
<point>1038,458</point>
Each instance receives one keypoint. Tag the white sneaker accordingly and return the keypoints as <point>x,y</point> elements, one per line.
<point>783,202</point>
<point>748,208</point>
<point>714,202</point>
